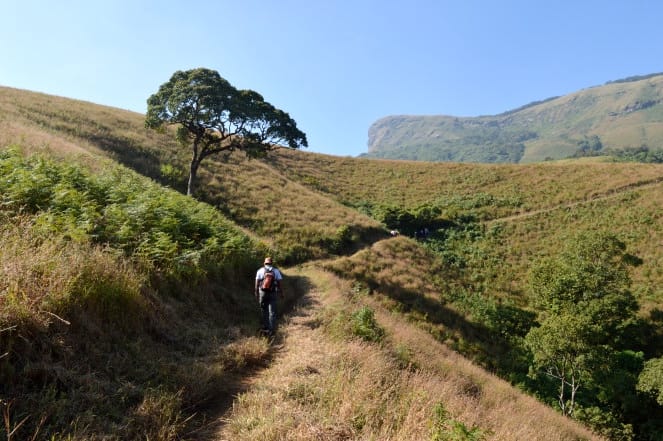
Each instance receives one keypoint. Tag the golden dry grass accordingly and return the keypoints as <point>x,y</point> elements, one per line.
<point>634,215</point>
<point>57,273</point>
<point>410,184</point>
<point>322,388</point>
<point>285,214</point>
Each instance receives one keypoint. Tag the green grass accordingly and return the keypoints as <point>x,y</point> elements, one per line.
<point>158,227</point>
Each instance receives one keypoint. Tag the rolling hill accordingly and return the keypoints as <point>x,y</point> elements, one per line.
<point>623,114</point>
<point>185,363</point>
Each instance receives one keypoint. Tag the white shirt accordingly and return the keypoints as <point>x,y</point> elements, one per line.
<point>261,273</point>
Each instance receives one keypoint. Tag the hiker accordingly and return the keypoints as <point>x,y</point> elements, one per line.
<point>267,289</point>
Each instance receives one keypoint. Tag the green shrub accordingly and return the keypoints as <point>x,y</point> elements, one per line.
<point>365,326</point>
<point>444,428</point>
<point>403,355</point>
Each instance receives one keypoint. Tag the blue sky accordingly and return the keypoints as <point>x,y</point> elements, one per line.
<point>334,66</point>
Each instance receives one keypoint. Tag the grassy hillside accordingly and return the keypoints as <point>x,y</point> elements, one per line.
<point>494,190</point>
<point>473,290</point>
<point>115,295</point>
<point>465,287</point>
<point>622,114</point>
<point>337,383</point>
<point>573,195</point>
<point>251,193</point>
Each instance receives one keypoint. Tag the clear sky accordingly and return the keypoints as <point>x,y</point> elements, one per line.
<point>334,66</point>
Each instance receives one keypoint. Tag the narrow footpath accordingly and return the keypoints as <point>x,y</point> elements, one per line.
<point>605,196</point>
<point>300,350</point>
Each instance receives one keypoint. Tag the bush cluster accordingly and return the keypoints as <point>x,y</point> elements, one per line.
<point>118,208</point>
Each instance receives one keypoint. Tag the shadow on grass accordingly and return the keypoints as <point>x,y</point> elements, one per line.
<point>211,416</point>
<point>129,153</point>
<point>473,340</point>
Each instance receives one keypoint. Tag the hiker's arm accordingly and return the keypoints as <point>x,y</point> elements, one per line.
<point>255,288</point>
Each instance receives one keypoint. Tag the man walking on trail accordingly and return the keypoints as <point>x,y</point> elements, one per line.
<point>267,289</point>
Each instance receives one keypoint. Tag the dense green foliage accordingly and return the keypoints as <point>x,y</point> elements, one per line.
<point>586,313</point>
<point>439,215</point>
<point>640,154</point>
<point>586,348</point>
<point>651,379</point>
<point>590,146</point>
<point>213,117</point>
<point>119,208</point>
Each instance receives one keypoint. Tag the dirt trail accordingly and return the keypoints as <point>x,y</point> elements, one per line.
<point>605,196</point>
<point>299,350</point>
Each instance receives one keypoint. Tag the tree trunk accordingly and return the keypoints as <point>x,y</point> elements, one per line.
<point>562,401</point>
<point>575,385</point>
<point>193,171</point>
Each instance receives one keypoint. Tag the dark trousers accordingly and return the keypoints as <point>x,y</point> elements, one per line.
<point>268,307</point>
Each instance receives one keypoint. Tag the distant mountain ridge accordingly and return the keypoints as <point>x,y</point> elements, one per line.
<point>621,114</point>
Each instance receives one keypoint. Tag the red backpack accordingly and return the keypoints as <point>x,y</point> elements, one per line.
<point>268,280</point>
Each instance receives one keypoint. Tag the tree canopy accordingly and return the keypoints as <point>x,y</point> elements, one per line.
<point>585,306</point>
<point>651,379</point>
<point>213,117</point>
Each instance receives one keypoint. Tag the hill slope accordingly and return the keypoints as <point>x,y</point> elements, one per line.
<point>457,286</point>
<point>392,391</point>
<point>622,114</point>
<point>574,195</point>
<point>253,194</point>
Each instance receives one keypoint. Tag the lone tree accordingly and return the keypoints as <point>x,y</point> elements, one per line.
<point>213,117</point>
